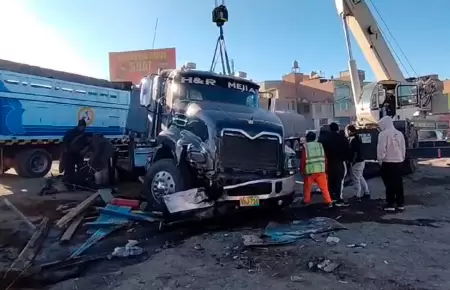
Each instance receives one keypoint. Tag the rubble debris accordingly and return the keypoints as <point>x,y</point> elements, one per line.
<point>313,237</point>
<point>280,234</point>
<point>71,229</point>
<point>105,224</point>
<point>297,279</point>
<point>198,247</point>
<point>302,229</point>
<point>29,252</point>
<point>134,204</point>
<point>325,265</point>
<point>129,215</point>
<point>255,241</point>
<point>74,212</point>
<point>130,249</point>
<point>360,245</point>
<point>103,232</point>
<point>106,194</point>
<point>19,214</point>
<point>332,240</point>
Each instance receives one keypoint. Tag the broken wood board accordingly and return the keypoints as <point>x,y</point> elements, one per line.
<point>71,229</point>
<point>74,212</point>
<point>28,253</point>
<point>19,214</point>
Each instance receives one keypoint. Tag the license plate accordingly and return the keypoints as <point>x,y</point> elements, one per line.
<point>249,201</point>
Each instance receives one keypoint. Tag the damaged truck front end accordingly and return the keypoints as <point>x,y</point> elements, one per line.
<point>217,147</point>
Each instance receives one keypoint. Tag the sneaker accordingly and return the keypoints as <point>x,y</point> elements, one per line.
<point>366,196</point>
<point>389,208</point>
<point>329,205</point>
<point>400,208</point>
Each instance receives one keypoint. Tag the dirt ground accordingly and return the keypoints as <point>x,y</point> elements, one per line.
<point>408,250</point>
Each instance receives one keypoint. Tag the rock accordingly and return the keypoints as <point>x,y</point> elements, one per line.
<point>331,267</point>
<point>327,266</point>
<point>198,247</point>
<point>250,240</point>
<point>360,245</point>
<point>333,240</point>
<point>297,279</point>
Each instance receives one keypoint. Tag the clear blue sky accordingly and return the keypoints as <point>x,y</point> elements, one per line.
<point>264,37</point>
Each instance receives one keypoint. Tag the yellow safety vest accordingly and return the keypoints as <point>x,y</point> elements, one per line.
<point>315,158</point>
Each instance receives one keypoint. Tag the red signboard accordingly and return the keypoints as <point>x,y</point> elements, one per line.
<point>134,65</point>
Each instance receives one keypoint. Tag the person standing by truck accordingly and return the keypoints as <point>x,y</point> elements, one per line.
<point>391,153</point>
<point>357,164</point>
<point>73,144</point>
<point>313,168</point>
<point>337,151</point>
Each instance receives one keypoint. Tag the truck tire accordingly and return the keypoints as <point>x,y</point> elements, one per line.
<point>165,174</point>
<point>409,166</point>
<point>33,163</point>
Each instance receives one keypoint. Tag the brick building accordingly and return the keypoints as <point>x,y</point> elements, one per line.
<point>291,95</point>
<point>320,100</point>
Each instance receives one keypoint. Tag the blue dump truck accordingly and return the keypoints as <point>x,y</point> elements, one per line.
<point>37,107</point>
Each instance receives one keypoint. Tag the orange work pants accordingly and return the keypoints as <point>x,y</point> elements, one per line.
<point>321,180</point>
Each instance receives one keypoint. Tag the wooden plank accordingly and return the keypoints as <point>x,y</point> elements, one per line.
<point>71,229</point>
<point>74,212</point>
<point>30,250</point>
<point>19,214</point>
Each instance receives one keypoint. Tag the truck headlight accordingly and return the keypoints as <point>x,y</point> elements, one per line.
<point>196,155</point>
<point>291,161</point>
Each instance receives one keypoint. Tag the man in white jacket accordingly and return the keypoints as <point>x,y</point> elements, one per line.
<point>391,154</point>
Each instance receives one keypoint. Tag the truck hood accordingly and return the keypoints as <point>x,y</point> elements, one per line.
<point>223,115</point>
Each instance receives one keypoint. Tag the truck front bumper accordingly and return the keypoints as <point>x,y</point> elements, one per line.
<point>195,199</point>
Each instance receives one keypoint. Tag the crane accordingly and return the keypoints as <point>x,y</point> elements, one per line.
<point>392,94</point>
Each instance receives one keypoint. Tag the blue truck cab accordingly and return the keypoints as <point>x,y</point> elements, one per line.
<point>38,106</point>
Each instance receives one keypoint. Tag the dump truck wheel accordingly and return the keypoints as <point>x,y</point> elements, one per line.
<point>33,163</point>
<point>163,178</point>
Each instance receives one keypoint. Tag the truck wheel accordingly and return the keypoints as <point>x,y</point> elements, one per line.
<point>34,163</point>
<point>409,166</point>
<point>162,178</point>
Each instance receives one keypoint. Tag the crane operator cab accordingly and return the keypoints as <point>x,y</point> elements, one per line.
<point>398,100</point>
<point>391,98</point>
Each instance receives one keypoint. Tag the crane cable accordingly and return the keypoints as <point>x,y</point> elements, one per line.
<point>396,42</point>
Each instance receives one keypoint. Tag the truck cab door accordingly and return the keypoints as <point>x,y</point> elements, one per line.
<point>149,97</point>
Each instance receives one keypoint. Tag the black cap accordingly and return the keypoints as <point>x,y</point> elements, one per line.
<point>351,128</point>
<point>334,127</point>
<point>310,136</point>
<point>82,123</point>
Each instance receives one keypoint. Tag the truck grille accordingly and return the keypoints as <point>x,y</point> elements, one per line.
<point>237,151</point>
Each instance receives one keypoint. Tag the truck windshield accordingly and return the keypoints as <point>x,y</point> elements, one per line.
<point>218,94</point>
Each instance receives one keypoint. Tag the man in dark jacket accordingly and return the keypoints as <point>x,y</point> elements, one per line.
<point>337,151</point>
<point>357,164</point>
<point>73,143</point>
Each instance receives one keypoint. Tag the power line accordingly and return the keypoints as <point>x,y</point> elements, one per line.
<point>395,41</point>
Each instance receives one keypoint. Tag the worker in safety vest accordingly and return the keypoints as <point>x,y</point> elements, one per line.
<point>312,167</point>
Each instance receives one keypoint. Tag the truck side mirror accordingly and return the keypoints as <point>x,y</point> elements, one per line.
<point>146,91</point>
